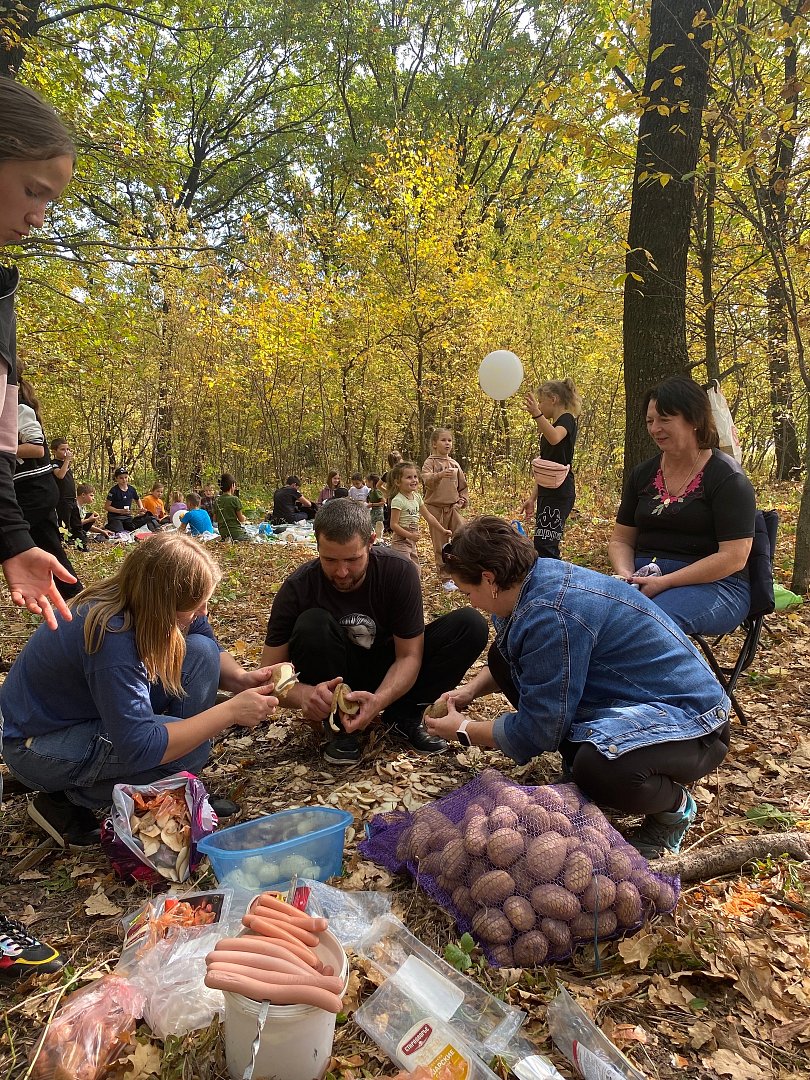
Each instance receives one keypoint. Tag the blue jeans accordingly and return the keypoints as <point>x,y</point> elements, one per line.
<point>712,608</point>
<point>81,761</point>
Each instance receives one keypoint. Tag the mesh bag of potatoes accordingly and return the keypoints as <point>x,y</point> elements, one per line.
<point>529,871</point>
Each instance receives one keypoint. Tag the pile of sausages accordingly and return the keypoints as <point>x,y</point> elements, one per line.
<point>276,961</point>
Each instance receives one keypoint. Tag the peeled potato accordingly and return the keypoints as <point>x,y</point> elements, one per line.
<point>285,677</point>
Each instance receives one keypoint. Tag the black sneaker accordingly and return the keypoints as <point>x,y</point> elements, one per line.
<point>70,825</point>
<point>222,807</point>
<point>21,954</point>
<point>343,749</point>
<point>420,738</point>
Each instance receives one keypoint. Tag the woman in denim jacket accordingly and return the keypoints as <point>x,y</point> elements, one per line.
<point>596,671</point>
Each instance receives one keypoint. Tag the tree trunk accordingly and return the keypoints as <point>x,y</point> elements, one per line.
<point>801,561</point>
<point>705,213</point>
<point>18,24</point>
<point>675,88</point>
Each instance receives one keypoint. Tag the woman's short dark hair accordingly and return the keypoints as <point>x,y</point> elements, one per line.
<point>489,543</point>
<point>682,396</point>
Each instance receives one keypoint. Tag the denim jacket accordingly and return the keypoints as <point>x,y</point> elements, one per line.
<point>595,661</point>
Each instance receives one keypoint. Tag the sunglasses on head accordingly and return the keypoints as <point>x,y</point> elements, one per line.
<point>447,552</point>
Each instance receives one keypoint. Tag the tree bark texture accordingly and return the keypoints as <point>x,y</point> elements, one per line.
<point>731,858</point>
<point>675,89</point>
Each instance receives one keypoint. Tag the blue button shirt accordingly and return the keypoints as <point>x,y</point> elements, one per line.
<point>595,661</point>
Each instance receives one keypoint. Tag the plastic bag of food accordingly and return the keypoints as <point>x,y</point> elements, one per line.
<point>92,1030</point>
<point>153,831</point>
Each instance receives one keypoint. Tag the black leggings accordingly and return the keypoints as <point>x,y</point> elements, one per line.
<point>644,781</point>
<point>321,648</point>
<point>45,533</point>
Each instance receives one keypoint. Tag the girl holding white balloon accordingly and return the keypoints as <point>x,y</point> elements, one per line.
<point>555,409</point>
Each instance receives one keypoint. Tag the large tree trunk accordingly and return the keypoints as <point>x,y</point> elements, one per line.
<point>18,24</point>
<point>705,230</point>
<point>675,88</point>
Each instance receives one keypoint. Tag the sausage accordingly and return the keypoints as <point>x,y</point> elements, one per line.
<point>267,946</point>
<point>271,964</point>
<point>236,983</point>
<point>279,978</point>
<point>275,928</point>
<point>267,905</point>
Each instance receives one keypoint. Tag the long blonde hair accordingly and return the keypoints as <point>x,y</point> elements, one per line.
<point>565,390</point>
<point>168,573</point>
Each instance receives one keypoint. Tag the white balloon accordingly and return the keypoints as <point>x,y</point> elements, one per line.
<point>500,374</point>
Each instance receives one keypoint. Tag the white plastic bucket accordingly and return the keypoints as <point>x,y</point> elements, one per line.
<point>296,1041</point>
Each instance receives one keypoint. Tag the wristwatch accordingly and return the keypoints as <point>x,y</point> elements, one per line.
<point>461,732</point>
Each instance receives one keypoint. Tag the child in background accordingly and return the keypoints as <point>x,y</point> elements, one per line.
<point>376,502</point>
<point>178,503</point>
<point>229,511</point>
<point>196,520</point>
<point>67,509</point>
<point>332,483</point>
<point>407,506</point>
<point>555,409</point>
<point>153,502</point>
<point>208,500</point>
<point>445,495</point>
<point>90,521</point>
<point>358,491</point>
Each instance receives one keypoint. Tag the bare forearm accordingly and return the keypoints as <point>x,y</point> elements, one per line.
<point>186,735</point>
<point>480,685</point>
<point>712,568</point>
<point>622,557</point>
<point>27,451</point>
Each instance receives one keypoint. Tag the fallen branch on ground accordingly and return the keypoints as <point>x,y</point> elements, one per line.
<point>729,858</point>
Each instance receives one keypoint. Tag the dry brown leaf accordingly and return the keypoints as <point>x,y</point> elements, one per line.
<point>143,1062</point>
<point>98,903</point>
<point>639,949</point>
<point>727,1063</point>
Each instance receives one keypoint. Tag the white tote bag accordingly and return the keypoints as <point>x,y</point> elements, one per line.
<point>724,422</point>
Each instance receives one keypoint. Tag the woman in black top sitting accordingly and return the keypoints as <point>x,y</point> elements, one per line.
<point>690,512</point>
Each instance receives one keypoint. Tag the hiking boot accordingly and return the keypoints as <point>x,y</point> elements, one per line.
<point>659,833</point>
<point>71,826</point>
<point>21,954</point>
<point>418,737</point>
<point>343,749</point>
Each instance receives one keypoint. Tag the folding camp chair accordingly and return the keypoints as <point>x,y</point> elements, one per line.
<point>760,573</point>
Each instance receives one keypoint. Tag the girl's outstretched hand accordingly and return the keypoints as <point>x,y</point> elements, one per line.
<point>30,576</point>
<point>532,404</point>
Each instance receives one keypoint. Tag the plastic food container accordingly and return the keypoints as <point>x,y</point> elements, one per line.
<point>267,852</point>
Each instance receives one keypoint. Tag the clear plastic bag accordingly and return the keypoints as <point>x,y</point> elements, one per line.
<point>89,1032</point>
<point>577,1037</point>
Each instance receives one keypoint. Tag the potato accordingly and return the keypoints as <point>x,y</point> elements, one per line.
<point>646,884</point>
<point>504,847</point>
<point>476,836</point>
<point>561,823</point>
<point>502,817</point>
<point>583,926</point>
<point>589,835</point>
<point>545,856</point>
<point>437,710</point>
<point>556,902</point>
<point>492,781</point>
<point>535,819</point>
<point>470,814</point>
<point>571,797</point>
<point>590,814</point>
<point>431,864</point>
<point>485,802</point>
<point>530,949</point>
<point>404,845</point>
<point>492,888</point>
<point>666,897</point>
<point>519,912</point>
<point>524,881</point>
<point>477,869</point>
<point>618,864</point>
<point>492,926</point>
<point>599,895</point>
<point>548,797</point>
<point>558,935</point>
<point>577,872</point>
<point>502,955</point>
<point>628,904</point>
<point>596,853</point>
<point>456,859</point>
<point>514,798</point>
<point>463,902</point>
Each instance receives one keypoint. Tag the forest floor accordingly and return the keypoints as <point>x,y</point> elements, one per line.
<point>719,989</point>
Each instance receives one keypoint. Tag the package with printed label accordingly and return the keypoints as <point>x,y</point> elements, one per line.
<point>410,1036</point>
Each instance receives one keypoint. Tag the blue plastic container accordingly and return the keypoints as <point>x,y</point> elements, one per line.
<point>266,853</point>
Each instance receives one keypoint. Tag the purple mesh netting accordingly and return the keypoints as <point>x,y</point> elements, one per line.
<point>529,871</point>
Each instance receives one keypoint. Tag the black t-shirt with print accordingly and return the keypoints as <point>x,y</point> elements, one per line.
<point>388,604</point>
<point>563,451</point>
<point>718,504</point>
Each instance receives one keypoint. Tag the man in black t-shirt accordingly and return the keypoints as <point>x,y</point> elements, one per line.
<point>356,613</point>
<point>289,505</point>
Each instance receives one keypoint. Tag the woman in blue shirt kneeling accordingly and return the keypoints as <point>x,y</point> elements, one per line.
<point>594,670</point>
<point>126,691</point>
